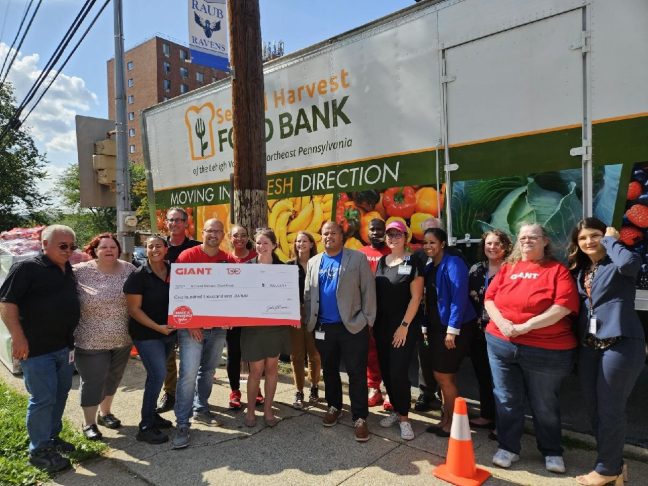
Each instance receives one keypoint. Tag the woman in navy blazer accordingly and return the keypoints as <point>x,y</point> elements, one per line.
<point>611,338</point>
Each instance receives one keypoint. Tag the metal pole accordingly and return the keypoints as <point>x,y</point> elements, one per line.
<point>122,177</point>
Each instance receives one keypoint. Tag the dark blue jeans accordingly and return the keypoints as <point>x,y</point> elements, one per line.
<point>607,378</point>
<point>154,354</point>
<point>48,379</point>
<point>539,372</point>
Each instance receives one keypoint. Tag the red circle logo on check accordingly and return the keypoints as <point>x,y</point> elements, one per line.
<point>182,314</point>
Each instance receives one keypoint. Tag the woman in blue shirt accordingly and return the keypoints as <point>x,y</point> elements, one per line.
<point>451,319</point>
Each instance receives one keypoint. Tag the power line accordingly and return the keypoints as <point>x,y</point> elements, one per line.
<point>22,39</point>
<point>4,20</point>
<point>76,46</point>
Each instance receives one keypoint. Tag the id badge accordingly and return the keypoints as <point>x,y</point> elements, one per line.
<point>592,325</point>
<point>71,357</point>
<point>319,335</point>
<point>404,269</point>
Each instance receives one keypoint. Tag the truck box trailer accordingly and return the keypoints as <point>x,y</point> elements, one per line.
<point>486,114</point>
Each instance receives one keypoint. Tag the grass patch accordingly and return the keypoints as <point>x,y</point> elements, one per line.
<point>14,464</point>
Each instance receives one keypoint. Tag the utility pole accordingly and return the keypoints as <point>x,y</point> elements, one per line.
<point>122,179</point>
<point>249,195</point>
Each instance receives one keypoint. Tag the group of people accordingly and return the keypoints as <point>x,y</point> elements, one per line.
<point>522,317</point>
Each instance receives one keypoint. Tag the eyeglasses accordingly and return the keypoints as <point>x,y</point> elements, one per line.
<point>212,231</point>
<point>67,246</point>
<point>394,236</point>
<point>175,220</point>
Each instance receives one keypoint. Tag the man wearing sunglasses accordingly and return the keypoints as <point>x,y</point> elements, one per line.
<point>177,221</point>
<point>40,307</point>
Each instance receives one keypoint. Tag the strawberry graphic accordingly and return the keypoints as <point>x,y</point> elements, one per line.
<point>629,235</point>
<point>634,190</point>
<point>638,215</point>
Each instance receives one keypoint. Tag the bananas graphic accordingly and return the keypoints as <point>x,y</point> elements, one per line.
<point>302,213</point>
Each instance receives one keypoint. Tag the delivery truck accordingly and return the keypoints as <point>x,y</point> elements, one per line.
<point>485,114</point>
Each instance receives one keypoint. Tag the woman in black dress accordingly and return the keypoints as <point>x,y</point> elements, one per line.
<point>399,289</point>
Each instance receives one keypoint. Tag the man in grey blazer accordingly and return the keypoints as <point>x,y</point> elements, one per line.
<point>340,304</point>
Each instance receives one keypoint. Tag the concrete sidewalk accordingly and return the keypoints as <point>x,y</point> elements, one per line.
<point>298,451</point>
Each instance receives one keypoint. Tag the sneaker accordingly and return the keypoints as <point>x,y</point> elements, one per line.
<point>387,406</point>
<point>407,433</point>
<point>555,464</point>
<point>207,417</point>
<point>361,430</point>
<point>259,399</point>
<point>504,458</point>
<point>298,404</point>
<point>423,403</point>
<point>166,403</point>
<point>49,460</point>
<point>235,400</point>
<point>389,420</point>
<point>314,394</point>
<point>61,446</point>
<point>151,435</point>
<point>375,397</point>
<point>331,417</point>
<point>161,423</point>
<point>181,439</point>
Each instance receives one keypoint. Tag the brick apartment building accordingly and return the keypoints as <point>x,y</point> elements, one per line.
<point>156,70</point>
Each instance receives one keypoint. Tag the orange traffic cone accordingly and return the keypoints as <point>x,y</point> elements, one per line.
<point>460,465</point>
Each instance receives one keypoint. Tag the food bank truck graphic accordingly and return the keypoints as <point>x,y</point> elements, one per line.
<point>485,114</point>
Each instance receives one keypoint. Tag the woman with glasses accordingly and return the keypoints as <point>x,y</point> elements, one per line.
<point>262,345</point>
<point>531,345</point>
<point>611,353</point>
<point>399,288</point>
<point>147,295</point>
<point>101,340</point>
<point>495,247</point>
<point>450,318</point>
<point>242,252</point>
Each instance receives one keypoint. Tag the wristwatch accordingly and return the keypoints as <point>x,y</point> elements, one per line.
<point>405,324</point>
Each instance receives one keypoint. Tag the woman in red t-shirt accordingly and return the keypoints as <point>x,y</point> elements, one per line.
<point>531,345</point>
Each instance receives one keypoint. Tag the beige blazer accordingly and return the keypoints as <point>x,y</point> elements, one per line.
<point>356,291</point>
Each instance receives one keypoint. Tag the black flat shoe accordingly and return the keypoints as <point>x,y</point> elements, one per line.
<point>109,421</point>
<point>91,432</point>
<point>438,431</point>
<point>488,425</point>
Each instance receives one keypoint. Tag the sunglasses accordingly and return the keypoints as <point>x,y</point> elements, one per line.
<point>67,246</point>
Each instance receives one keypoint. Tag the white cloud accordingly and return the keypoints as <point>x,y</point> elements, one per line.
<point>51,124</point>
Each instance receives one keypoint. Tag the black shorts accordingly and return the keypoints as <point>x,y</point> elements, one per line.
<point>446,360</point>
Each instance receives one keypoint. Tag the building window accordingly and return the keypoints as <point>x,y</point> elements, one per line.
<point>131,149</point>
<point>166,49</point>
<point>200,77</point>
<point>167,85</point>
<point>183,55</point>
<point>131,115</point>
<point>184,88</point>
<point>130,65</point>
<point>167,67</point>
<point>131,99</point>
<point>131,83</point>
<point>131,132</point>
<point>184,72</point>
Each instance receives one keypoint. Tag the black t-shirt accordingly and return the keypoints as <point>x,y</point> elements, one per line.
<point>155,301</point>
<point>47,300</point>
<point>174,251</point>
<point>393,292</point>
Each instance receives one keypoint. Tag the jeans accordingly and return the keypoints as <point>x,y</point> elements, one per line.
<point>518,368</point>
<point>48,379</point>
<point>607,378</point>
<point>339,344</point>
<point>198,361</point>
<point>154,354</point>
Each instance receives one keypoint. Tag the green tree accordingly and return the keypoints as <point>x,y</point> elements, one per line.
<point>22,167</point>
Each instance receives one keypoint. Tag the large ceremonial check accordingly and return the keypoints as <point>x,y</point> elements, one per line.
<point>223,295</point>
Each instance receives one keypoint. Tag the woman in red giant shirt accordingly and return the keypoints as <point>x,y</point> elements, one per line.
<point>531,345</point>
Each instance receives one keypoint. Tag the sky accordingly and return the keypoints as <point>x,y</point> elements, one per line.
<point>81,88</point>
